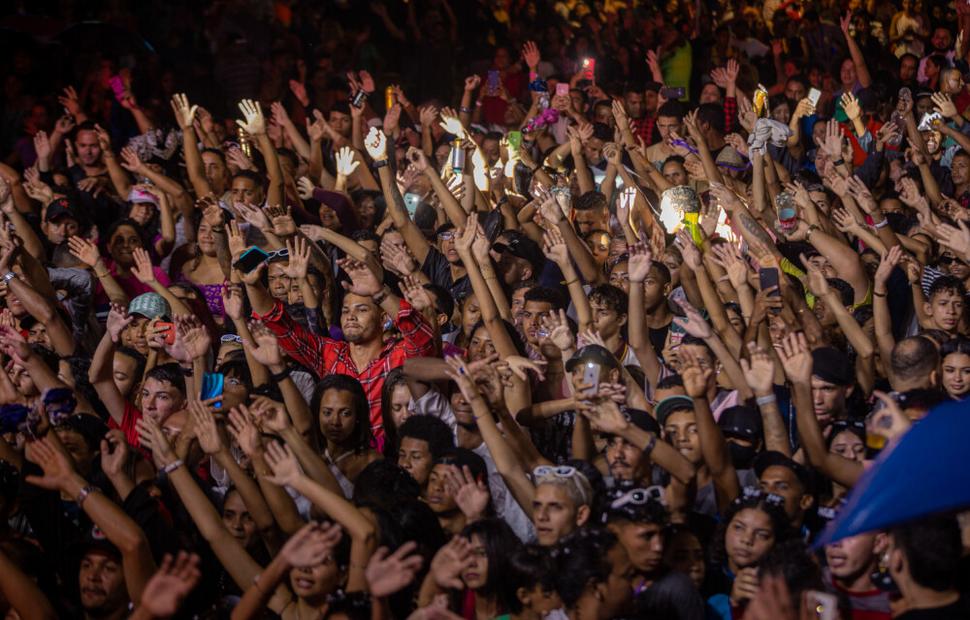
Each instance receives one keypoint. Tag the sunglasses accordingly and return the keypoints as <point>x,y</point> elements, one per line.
<point>639,497</point>
<point>277,254</point>
<point>446,236</point>
<point>230,338</point>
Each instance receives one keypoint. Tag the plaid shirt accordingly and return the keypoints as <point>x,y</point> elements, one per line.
<point>325,356</point>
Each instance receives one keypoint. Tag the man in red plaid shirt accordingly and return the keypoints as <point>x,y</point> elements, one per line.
<point>362,354</point>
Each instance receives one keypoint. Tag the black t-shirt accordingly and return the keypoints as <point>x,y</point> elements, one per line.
<point>658,338</point>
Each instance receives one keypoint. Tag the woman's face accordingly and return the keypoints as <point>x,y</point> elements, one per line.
<point>366,212</point>
<point>318,581</point>
<point>400,397</point>
<point>236,518</point>
<point>134,335</point>
<point>225,350</point>
<point>781,113</point>
<point>848,445</point>
<point>337,420</point>
<point>620,276</point>
<point>480,345</point>
<point>123,370</point>
<point>471,314</point>
<point>475,574</point>
<point>141,212</point>
<point>206,239</point>
<point>685,554</point>
<point>122,245</point>
<point>956,374</point>
<point>748,538</point>
<point>710,93</point>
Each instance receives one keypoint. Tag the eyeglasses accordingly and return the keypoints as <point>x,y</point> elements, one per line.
<point>230,338</point>
<point>639,497</point>
<point>448,235</point>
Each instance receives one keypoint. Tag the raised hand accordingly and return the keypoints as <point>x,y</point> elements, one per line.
<point>796,358</point>
<point>363,281</point>
<point>554,246</point>
<point>114,453</point>
<point>232,301</point>
<point>244,431</point>
<point>346,162</point>
<point>450,561</point>
<point>519,366</point>
<point>451,124</point>
<point>305,187</point>
<point>759,373</point>
<point>558,330</point>
<point>832,144</point>
<point>388,573</point>
<point>886,264</point>
<point>270,415</point>
<point>143,269</point>
<point>694,324</point>
<point>471,495</point>
<point>396,258</point>
<point>415,294</point>
<point>192,340</point>
<point>184,113</point>
<point>205,427</point>
<point>319,128</point>
<point>472,82</point>
<point>56,465</point>
<point>263,346</point>
<point>282,221</point>
<point>957,239</point>
<point>286,469</point>
<point>695,377</point>
<point>254,122</point>
<point>153,438</point>
<point>530,54</point>
<point>84,251</point>
<point>640,262</point>
<point>118,320</point>
<point>311,544</point>
<point>861,194</point>
<point>71,102</point>
<point>376,144</point>
<point>944,105</point>
<point>172,582</point>
<point>817,283</point>
<point>851,106</point>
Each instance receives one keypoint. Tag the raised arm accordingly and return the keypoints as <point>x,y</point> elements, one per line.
<point>185,116</point>
<point>858,59</point>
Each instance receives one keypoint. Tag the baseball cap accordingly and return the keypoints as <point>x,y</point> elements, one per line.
<point>61,207</point>
<point>742,422</point>
<point>522,247</point>
<point>771,458</point>
<point>149,305</point>
<point>667,406</point>
<point>643,420</point>
<point>592,354</point>
<point>96,541</point>
<point>832,366</point>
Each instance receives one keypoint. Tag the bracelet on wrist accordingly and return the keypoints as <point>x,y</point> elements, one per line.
<point>767,399</point>
<point>878,294</point>
<point>380,163</point>
<point>648,449</point>
<point>276,377</point>
<point>173,466</point>
<point>7,277</point>
<point>466,110</point>
<point>83,494</point>
<point>880,224</point>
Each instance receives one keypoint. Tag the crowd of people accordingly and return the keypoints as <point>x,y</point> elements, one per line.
<point>478,309</point>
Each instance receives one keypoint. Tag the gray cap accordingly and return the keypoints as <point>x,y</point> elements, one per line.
<point>149,305</point>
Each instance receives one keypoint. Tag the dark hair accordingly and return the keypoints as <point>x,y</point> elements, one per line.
<point>361,437</point>
<point>240,369</point>
<point>957,344</point>
<point>510,329</point>
<point>590,200</point>
<point>663,270</point>
<point>499,541</point>
<point>217,152</point>
<point>172,373</point>
<point>672,109</point>
<point>527,566</point>
<point>444,303</point>
<point>249,174</point>
<point>670,381</point>
<point>914,357</point>
<point>932,548</point>
<point>581,559</point>
<point>547,295</point>
<point>386,484</point>
<point>946,284</point>
<point>140,360</point>
<point>712,114</point>
<point>791,560</point>
<point>602,130</point>
<point>612,297</point>
<point>145,242</point>
<point>436,433</point>
<point>845,290</point>
<point>365,235</point>
<point>391,381</point>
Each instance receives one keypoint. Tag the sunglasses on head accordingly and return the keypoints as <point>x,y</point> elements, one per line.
<point>639,497</point>
<point>561,471</point>
<point>230,338</point>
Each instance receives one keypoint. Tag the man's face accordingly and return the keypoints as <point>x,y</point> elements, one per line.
<point>591,219</point>
<point>623,458</point>
<point>244,190</point>
<point>76,446</point>
<point>907,69</point>
<point>945,309</point>
<point>675,173</point>
<point>851,557</point>
<point>667,124</point>
<point>341,123</point>
<point>532,314</point>
<point>415,457</point>
<point>654,289</point>
<point>238,520</point>
<point>847,75</point>
<point>490,148</point>
<point>360,319</point>
<point>603,114</point>
<point>554,514</point>
<point>680,429</point>
<point>650,100</point>
<point>102,583</point>
<point>61,229</point>
<point>608,322</point>
<point>795,90</point>
<point>783,482</point>
<point>633,101</point>
<point>644,542</point>
<point>438,494</point>
<point>87,148</point>
<point>279,282</point>
<point>37,334</point>
<point>941,39</point>
<point>215,172</point>
<point>960,169</point>
<point>160,399</point>
<point>593,150</point>
<point>828,400</point>
<point>446,245</point>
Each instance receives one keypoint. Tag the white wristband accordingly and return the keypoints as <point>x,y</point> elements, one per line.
<point>173,466</point>
<point>766,400</point>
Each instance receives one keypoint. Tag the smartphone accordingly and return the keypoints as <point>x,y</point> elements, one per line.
<point>562,89</point>
<point>589,69</point>
<point>492,83</point>
<point>250,259</point>
<point>814,95</point>
<point>212,386</point>
<point>671,93</point>
<point>515,141</point>
<point>591,377</point>
<point>769,278</point>
<point>167,330</point>
<point>117,85</point>
<point>358,99</point>
<point>822,605</point>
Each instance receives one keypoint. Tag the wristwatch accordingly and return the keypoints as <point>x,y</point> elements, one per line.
<point>7,277</point>
<point>380,163</point>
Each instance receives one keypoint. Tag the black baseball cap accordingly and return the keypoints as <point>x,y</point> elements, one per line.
<point>592,354</point>
<point>522,247</point>
<point>95,541</point>
<point>741,421</point>
<point>667,406</point>
<point>832,366</point>
<point>61,207</point>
